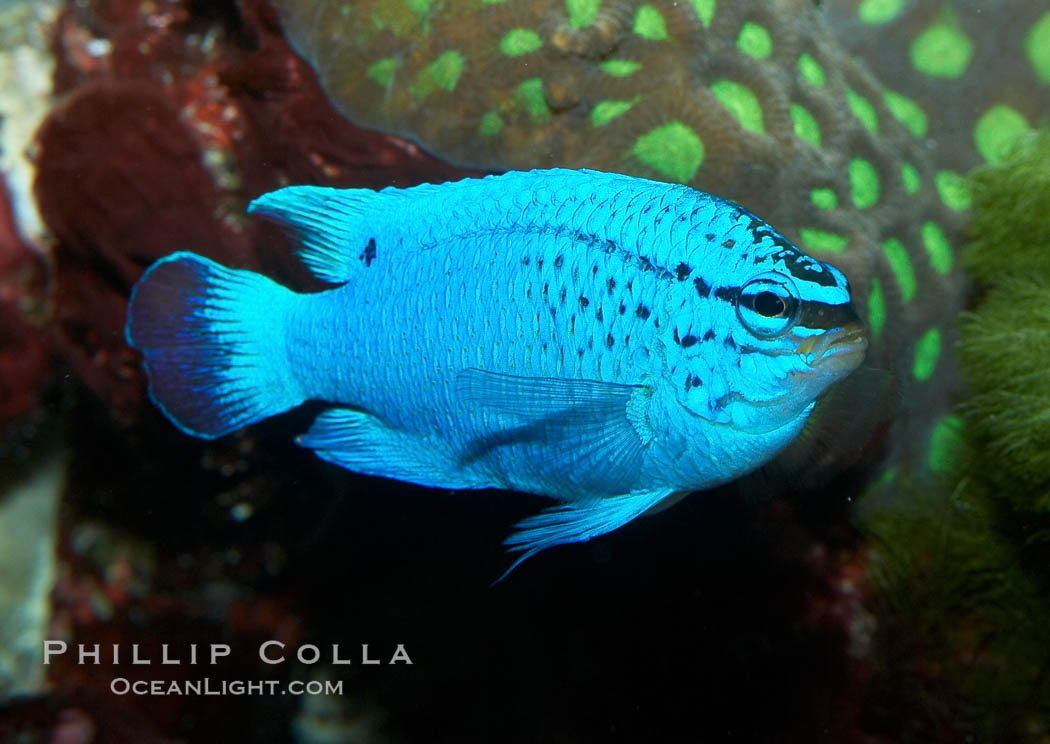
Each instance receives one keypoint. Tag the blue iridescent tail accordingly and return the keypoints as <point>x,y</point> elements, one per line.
<point>213,339</point>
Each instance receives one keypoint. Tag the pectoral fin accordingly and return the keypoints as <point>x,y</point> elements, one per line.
<point>358,441</point>
<point>590,434</point>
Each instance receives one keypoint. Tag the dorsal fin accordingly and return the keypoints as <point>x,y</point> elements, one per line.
<point>337,227</point>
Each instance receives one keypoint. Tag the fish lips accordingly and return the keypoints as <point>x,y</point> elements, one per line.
<point>839,351</point>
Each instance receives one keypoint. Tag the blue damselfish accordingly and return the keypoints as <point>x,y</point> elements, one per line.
<point>607,341</point>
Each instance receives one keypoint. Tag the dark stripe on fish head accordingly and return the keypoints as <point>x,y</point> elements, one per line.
<point>783,328</point>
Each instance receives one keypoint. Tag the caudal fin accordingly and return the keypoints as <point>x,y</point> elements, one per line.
<point>213,341</point>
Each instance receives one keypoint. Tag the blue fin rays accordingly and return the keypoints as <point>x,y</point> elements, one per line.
<point>212,339</point>
<point>577,522</point>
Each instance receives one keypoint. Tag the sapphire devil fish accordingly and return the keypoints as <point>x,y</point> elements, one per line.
<point>607,341</point>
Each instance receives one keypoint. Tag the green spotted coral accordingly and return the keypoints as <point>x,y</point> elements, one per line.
<point>755,100</point>
<point>969,74</point>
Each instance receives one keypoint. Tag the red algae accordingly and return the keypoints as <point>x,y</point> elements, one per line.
<point>25,354</point>
<point>174,117</point>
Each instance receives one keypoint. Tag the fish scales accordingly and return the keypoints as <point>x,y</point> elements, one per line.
<point>539,268</point>
<point>600,339</point>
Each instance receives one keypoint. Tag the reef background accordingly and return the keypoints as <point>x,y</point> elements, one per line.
<point>746,613</point>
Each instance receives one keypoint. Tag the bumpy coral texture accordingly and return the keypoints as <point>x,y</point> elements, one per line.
<point>754,100</point>
<point>968,74</point>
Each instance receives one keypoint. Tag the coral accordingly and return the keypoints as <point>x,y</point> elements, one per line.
<point>25,353</point>
<point>28,518</point>
<point>967,75</point>
<point>26,68</point>
<point>754,100</point>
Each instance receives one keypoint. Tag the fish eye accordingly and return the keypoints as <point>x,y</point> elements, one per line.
<point>768,305</point>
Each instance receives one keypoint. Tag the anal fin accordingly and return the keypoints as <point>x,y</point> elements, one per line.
<point>358,441</point>
<point>577,522</point>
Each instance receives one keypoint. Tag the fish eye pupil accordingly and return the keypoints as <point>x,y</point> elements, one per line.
<point>769,305</point>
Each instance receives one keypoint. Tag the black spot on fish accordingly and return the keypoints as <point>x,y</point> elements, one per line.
<point>609,341</point>
<point>539,263</point>
<point>579,353</point>
<point>525,261</point>
<point>805,268</point>
<point>623,308</point>
<point>554,312</point>
<point>709,336</point>
<point>710,237</point>
<point>642,312</point>
<point>544,345</point>
<point>729,243</point>
<point>677,340</point>
<point>647,209</point>
<point>599,316</point>
<point>572,323</point>
<point>611,285</point>
<point>546,289</point>
<point>594,270</point>
<point>697,382</point>
<point>656,322</point>
<point>368,255</point>
<point>682,271</point>
<point>561,295</point>
<point>702,288</point>
<point>584,302</point>
<point>630,284</point>
<point>730,343</point>
<point>688,341</point>
<point>558,261</point>
<point>728,294</point>
<point>627,339</point>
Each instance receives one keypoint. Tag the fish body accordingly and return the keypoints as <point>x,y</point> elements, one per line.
<point>603,340</point>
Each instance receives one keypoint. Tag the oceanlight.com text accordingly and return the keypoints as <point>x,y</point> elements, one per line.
<point>234,687</point>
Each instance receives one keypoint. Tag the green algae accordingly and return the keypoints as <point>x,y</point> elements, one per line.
<point>1005,340</point>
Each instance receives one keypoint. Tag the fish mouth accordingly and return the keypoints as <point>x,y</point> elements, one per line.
<point>843,347</point>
